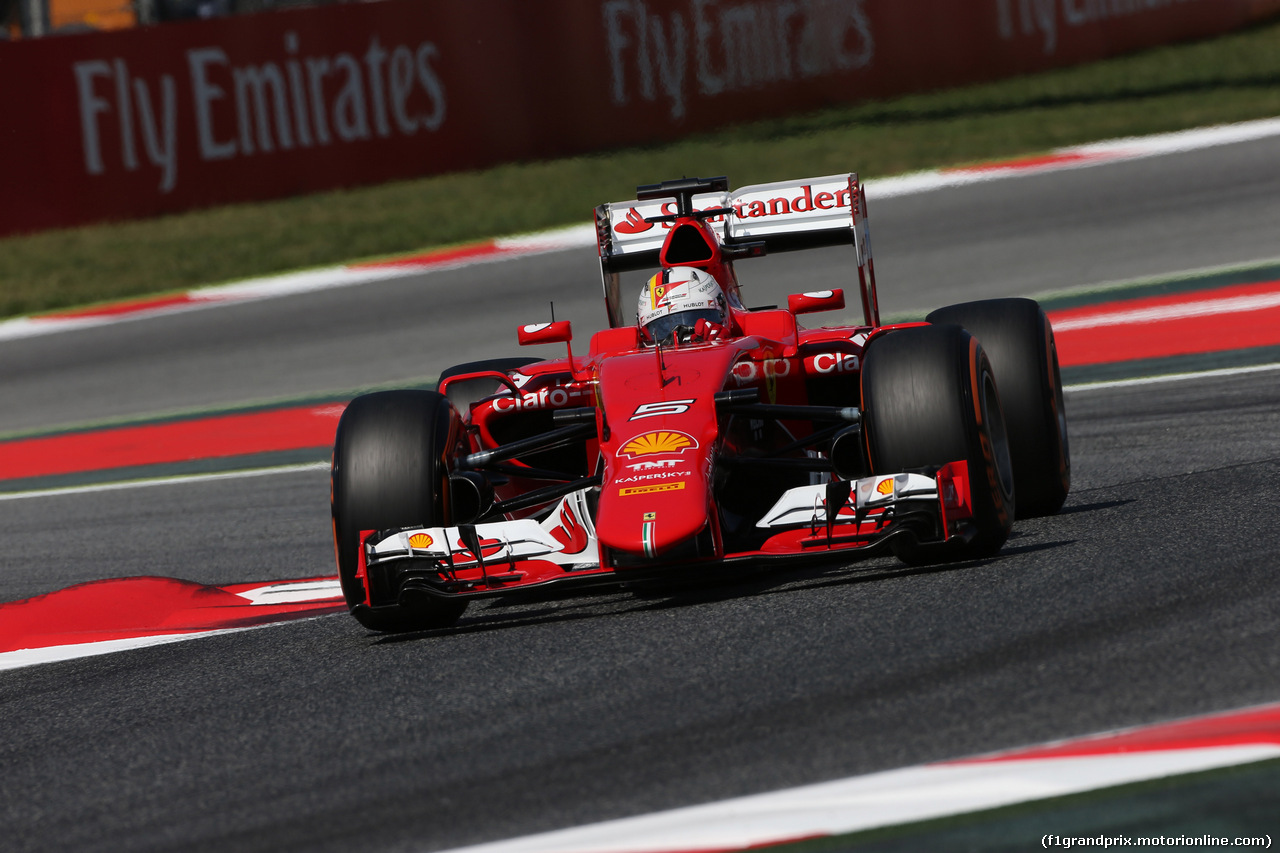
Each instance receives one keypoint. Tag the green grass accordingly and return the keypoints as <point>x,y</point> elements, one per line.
<point>1233,78</point>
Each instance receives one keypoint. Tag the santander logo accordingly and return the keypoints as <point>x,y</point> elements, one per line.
<point>768,202</point>
<point>634,223</point>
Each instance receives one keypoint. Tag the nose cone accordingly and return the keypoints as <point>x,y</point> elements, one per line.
<point>663,434</point>
<point>647,511</point>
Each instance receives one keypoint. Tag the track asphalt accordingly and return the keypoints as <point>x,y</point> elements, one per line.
<point>1149,598</point>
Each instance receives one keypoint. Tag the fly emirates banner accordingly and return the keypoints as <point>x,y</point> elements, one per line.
<point>160,119</point>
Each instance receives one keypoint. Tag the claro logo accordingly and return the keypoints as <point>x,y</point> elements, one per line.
<point>719,46</point>
<point>298,101</point>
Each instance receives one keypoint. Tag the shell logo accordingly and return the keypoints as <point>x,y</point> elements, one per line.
<point>885,487</point>
<point>659,441</point>
<point>420,540</point>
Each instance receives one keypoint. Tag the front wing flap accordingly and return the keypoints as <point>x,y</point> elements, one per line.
<point>563,547</point>
<point>866,512</point>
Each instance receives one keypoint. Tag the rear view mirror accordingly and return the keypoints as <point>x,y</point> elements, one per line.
<point>545,333</point>
<point>821,300</point>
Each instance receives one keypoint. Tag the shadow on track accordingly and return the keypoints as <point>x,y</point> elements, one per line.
<point>1094,507</point>
<point>514,611</point>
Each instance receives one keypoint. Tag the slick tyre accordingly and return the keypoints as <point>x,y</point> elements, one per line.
<point>1018,340</point>
<point>929,397</point>
<point>389,470</point>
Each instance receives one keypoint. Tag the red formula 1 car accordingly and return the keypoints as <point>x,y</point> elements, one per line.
<point>697,438</point>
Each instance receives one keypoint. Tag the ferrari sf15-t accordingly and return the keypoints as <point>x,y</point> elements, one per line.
<point>742,441</point>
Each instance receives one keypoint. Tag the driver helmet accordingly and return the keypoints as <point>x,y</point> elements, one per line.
<point>674,300</point>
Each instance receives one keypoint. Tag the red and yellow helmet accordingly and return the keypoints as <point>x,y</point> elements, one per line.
<point>676,299</point>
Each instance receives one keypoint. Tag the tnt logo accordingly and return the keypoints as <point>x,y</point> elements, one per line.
<point>657,465</point>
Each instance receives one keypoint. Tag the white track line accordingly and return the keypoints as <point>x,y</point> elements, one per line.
<point>1163,313</point>
<point>164,481</point>
<point>876,800</point>
<point>56,654</point>
<point>21,658</point>
<point>1171,377</point>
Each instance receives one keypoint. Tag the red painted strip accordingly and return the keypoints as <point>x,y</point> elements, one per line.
<point>1235,728</point>
<point>180,441</point>
<point>115,309</point>
<point>125,608</point>
<point>1204,333</point>
<point>1261,288</point>
<point>1028,163</point>
<point>470,252</point>
<point>442,256</point>
<point>764,845</point>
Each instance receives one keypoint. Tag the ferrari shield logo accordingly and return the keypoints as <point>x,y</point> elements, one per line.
<point>658,291</point>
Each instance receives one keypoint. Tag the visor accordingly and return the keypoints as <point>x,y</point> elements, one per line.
<point>676,328</point>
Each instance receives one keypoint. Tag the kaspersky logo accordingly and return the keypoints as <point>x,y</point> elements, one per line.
<point>633,224</point>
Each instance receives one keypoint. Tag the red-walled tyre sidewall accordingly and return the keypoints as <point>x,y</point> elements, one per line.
<point>929,397</point>
<point>1018,339</point>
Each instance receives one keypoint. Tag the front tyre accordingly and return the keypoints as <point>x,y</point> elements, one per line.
<point>390,470</point>
<point>465,392</point>
<point>1018,339</point>
<point>929,397</point>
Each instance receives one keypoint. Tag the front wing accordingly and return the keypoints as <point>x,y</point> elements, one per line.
<point>844,519</point>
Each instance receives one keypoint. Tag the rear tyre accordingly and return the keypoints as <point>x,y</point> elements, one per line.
<point>1018,340</point>
<point>929,397</point>
<point>390,470</point>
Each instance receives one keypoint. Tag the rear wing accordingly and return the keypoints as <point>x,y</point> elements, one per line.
<point>754,220</point>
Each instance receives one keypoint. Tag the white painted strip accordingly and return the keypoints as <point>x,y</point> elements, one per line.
<point>308,281</point>
<point>292,592</point>
<point>165,481</point>
<point>305,281</point>
<point>54,654</point>
<point>939,179</point>
<point>1092,154</point>
<point>29,327</point>
<point>572,237</point>
<point>875,800</point>
<point>1171,377</point>
<point>1179,311</point>
<point>1102,290</point>
<point>1184,140</point>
